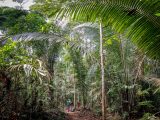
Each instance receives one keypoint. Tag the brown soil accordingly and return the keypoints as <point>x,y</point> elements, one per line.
<point>78,115</point>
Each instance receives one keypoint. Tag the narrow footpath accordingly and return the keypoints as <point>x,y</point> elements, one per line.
<point>73,115</point>
<point>77,116</point>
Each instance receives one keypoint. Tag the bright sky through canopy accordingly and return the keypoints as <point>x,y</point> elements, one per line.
<point>10,3</point>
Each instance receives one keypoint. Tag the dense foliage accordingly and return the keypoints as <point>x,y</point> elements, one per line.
<point>52,53</point>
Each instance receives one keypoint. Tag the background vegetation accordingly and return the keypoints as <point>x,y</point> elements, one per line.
<point>53,52</point>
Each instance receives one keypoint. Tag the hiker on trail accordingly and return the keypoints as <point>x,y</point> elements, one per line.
<point>71,106</point>
<point>68,105</point>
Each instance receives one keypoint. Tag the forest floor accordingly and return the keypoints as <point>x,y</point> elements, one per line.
<point>78,115</point>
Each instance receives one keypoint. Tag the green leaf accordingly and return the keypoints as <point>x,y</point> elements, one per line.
<point>109,42</point>
<point>146,103</point>
<point>157,14</point>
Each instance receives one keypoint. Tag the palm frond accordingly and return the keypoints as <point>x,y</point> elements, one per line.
<point>37,67</point>
<point>135,18</point>
<point>91,72</point>
<point>38,36</point>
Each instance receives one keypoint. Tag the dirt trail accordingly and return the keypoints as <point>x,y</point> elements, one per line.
<point>76,116</point>
<point>73,116</point>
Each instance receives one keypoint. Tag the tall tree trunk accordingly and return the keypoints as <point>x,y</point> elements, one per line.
<point>74,93</point>
<point>102,74</point>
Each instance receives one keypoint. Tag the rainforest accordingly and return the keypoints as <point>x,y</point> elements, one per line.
<point>80,60</point>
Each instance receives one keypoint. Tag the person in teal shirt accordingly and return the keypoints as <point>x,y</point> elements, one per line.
<point>68,103</point>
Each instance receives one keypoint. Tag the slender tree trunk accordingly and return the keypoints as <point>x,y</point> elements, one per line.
<point>91,106</point>
<point>74,94</point>
<point>83,100</point>
<point>78,97</point>
<point>102,74</point>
